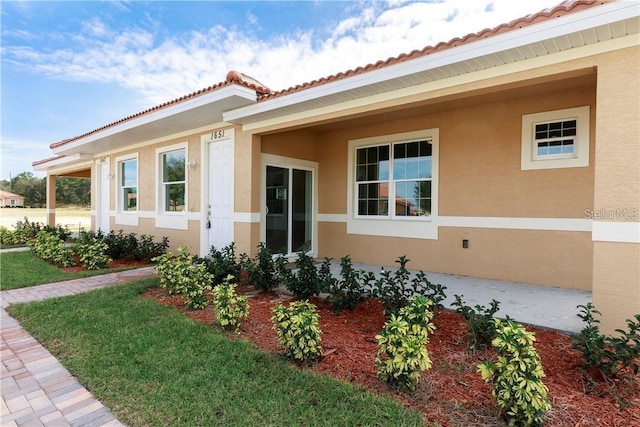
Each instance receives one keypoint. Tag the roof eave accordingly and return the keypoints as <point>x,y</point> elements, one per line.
<point>576,22</point>
<point>189,114</point>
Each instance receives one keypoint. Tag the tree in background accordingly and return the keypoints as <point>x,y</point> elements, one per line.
<point>69,191</point>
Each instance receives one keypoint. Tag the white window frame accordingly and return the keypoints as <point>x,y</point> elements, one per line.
<point>530,160</point>
<point>166,219</point>
<point>126,217</point>
<point>421,227</point>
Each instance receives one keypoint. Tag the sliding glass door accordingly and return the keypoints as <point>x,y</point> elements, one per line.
<point>289,210</point>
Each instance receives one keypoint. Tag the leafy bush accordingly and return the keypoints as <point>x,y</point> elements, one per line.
<point>517,375</point>
<point>26,231</point>
<point>307,280</point>
<point>93,254</point>
<point>348,291</point>
<point>52,248</point>
<point>222,263</point>
<point>127,246</point>
<point>229,307</point>
<point>262,270</point>
<point>609,355</point>
<point>181,275</point>
<point>396,289</point>
<point>403,355</point>
<point>480,327</point>
<point>298,330</point>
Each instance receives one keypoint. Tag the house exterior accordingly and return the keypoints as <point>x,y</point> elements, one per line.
<point>513,154</point>
<point>11,200</point>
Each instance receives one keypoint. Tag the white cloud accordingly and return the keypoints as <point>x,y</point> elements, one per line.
<point>164,68</point>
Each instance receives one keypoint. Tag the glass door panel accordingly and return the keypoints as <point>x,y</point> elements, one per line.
<point>277,224</point>
<point>289,215</point>
<point>301,222</point>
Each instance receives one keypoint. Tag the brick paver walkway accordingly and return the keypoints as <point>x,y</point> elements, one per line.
<point>36,389</point>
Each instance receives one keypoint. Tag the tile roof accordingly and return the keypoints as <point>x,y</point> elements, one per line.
<point>566,7</point>
<point>48,159</point>
<point>264,93</point>
<point>233,77</point>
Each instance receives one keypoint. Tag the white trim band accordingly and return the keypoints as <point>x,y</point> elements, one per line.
<point>332,218</point>
<point>618,232</point>
<point>250,217</point>
<point>550,224</point>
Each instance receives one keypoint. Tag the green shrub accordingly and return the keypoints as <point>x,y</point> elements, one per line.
<point>181,275</point>
<point>222,263</point>
<point>93,254</point>
<point>26,231</point>
<point>402,353</point>
<point>480,327</point>
<point>53,249</point>
<point>229,307</point>
<point>396,289</point>
<point>298,330</point>
<point>609,355</point>
<point>127,246</point>
<point>261,270</point>
<point>348,291</point>
<point>306,280</point>
<point>516,375</point>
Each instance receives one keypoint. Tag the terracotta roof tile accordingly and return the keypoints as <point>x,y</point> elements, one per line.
<point>233,77</point>
<point>264,93</point>
<point>564,8</point>
<point>48,159</point>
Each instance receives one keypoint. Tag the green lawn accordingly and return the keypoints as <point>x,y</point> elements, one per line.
<point>22,269</point>
<point>153,366</point>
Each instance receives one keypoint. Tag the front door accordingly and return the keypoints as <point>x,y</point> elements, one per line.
<point>220,203</point>
<point>289,210</point>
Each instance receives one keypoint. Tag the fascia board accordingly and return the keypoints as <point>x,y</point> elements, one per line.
<point>579,21</point>
<point>62,161</point>
<point>154,116</point>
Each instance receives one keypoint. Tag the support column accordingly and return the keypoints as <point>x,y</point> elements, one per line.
<point>247,192</point>
<point>51,200</point>
<point>616,213</point>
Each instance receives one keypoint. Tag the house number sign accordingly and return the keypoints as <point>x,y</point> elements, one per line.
<point>217,134</point>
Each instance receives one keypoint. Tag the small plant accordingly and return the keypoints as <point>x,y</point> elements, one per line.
<point>262,269</point>
<point>396,289</point>
<point>93,254</point>
<point>609,355</point>
<point>298,330</point>
<point>222,262</point>
<point>307,280</point>
<point>480,326</point>
<point>181,275</point>
<point>230,308</point>
<point>348,291</point>
<point>53,249</point>
<point>403,355</point>
<point>127,246</point>
<point>516,376</point>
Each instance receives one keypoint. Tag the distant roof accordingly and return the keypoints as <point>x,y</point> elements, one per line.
<point>264,93</point>
<point>7,195</point>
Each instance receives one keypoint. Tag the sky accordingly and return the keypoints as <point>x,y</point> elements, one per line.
<point>69,67</point>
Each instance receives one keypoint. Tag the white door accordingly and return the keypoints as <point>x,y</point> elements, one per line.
<point>103,198</point>
<point>220,203</point>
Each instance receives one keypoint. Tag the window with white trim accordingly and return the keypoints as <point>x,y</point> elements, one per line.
<point>174,184</point>
<point>555,139</point>
<point>128,185</point>
<point>393,187</point>
<point>394,179</point>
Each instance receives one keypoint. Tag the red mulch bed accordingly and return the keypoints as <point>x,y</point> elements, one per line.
<point>451,393</point>
<point>117,263</point>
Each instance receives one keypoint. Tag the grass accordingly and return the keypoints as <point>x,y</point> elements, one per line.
<point>151,365</point>
<point>22,269</point>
